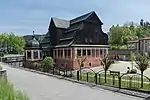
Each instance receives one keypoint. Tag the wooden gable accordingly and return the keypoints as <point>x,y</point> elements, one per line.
<point>94,18</point>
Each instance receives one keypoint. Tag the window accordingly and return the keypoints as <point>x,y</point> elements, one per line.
<point>88,52</point>
<point>55,53</point>
<point>41,54</point>
<point>58,53</point>
<point>69,52</point>
<point>97,52</point>
<point>66,66</point>
<point>35,54</point>
<point>28,54</point>
<point>93,52</point>
<point>101,52</point>
<point>90,64</point>
<point>78,52</point>
<point>61,53</point>
<point>84,52</point>
<point>104,51</point>
<point>65,53</point>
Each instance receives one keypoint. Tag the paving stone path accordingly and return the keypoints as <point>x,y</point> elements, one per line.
<point>41,87</point>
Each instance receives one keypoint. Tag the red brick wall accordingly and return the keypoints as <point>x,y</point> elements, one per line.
<point>93,60</point>
<point>72,63</point>
<point>60,61</point>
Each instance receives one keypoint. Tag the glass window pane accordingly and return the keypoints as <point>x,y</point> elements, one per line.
<point>88,52</point>
<point>84,52</point>
<point>35,54</point>
<point>69,52</point>
<point>78,52</point>
<point>28,54</point>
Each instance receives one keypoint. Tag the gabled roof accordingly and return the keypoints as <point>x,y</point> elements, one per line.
<point>46,39</point>
<point>59,23</point>
<point>81,18</point>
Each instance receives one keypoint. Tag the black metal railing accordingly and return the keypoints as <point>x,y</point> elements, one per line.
<point>113,78</point>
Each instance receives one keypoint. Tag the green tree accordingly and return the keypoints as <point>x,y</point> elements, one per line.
<point>106,62</point>
<point>13,43</point>
<point>48,63</point>
<point>119,35</point>
<point>142,64</point>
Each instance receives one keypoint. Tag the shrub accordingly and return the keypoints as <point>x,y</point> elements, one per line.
<point>48,63</point>
<point>1,54</point>
<point>37,65</point>
<point>7,92</point>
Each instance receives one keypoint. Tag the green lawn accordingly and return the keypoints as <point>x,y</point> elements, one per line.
<point>126,81</point>
<point>7,92</point>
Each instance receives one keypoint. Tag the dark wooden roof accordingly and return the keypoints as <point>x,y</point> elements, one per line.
<point>60,23</point>
<point>68,29</point>
<point>71,32</point>
<point>82,18</point>
<point>45,43</point>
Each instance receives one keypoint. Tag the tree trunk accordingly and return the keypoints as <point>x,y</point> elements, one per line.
<point>80,74</point>
<point>141,79</point>
<point>105,76</point>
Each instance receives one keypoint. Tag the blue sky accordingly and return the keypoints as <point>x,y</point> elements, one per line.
<point>24,16</point>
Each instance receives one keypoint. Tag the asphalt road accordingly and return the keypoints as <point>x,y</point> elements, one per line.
<point>41,87</point>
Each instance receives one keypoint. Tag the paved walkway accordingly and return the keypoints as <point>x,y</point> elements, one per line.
<point>121,66</point>
<point>41,87</point>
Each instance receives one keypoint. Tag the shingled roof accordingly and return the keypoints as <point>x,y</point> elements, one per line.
<point>69,35</point>
<point>69,28</point>
<point>59,23</point>
<point>83,17</point>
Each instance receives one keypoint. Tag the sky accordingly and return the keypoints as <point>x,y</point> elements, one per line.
<point>23,16</point>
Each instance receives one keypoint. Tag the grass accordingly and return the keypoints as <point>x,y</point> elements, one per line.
<point>0,67</point>
<point>126,81</point>
<point>7,92</point>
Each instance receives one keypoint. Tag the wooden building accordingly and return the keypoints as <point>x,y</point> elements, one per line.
<point>71,42</point>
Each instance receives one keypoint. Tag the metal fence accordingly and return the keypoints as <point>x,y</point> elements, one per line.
<point>113,78</point>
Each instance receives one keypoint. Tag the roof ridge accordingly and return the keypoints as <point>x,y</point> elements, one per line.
<point>85,16</point>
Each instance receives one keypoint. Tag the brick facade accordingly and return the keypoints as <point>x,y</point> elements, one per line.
<point>74,62</point>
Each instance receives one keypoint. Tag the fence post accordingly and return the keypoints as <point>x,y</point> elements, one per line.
<point>78,75</point>
<point>71,73</point>
<point>66,71</point>
<point>95,78</point>
<point>119,82</point>
<point>53,70</point>
<point>87,76</point>
<point>130,85</point>
<point>113,80</point>
<point>59,71</point>
<point>19,64</point>
<point>99,78</point>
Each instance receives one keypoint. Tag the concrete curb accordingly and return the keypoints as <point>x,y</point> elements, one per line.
<point>92,85</point>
